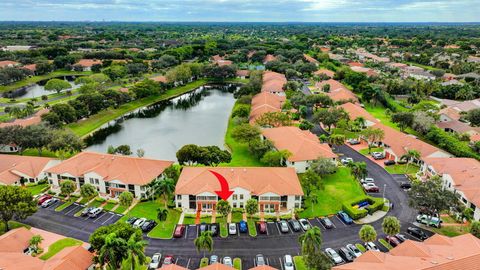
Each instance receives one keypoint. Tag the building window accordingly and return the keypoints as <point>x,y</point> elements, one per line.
<point>179,197</point>
<point>297,205</point>
<point>297,198</point>
<point>179,204</point>
<point>241,196</point>
<point>234,205</point>
<point>142,188</point>
<point>241,205</point>
<point>234,197</point>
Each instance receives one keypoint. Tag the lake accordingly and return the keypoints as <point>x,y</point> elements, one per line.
<point>199,117</point>
<point>37,90</point>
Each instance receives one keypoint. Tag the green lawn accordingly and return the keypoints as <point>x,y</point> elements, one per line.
<point>84,200</point>
<point>109,206</point>
<point>203,262</point>
<point>120,209</point>
<point>95,203</point>
<point>374,149</point>
<point>385,244</point>
<point>361,247</point>
<point>240,154</point>
<point>223,229</point>
<point>165,229</point>
<point>451,231</point>
<point>189,220</point>
<point>37,189</point>
<point>348,134</point>
<point>63,206</point>
<point>299,263</point>
<point>237,263</point>
<point>12,225</point>
<point>59,246</point>
<point>252,227</point>
<point>338,187</point>
<point>237,217</point>
<point>402,169</point>
<point>85,127</point>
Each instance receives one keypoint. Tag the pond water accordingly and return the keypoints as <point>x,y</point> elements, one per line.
<point>199,117</point>
<point>38,90</point>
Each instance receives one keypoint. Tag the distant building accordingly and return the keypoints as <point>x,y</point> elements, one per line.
<point>8,63</point>
<point>337,92</point>
<point>87,64</point>
<point>265,102</point>
<point>15,170</point>
<point>273,82</point>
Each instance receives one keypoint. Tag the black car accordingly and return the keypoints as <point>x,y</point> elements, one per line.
<point>148,225</point>
<point>389,162</point>
<point>214,229</point>
<point>346,254</point>
<point>417,233</point>
<point>129,221</point>
<point>405,185</point>
<point>326,222</point>
<point>295,225</point>
<point>203,227</point>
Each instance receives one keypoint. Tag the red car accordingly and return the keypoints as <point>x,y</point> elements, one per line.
<point>179,230</point>
<point>168,260</point>
<point>43,198</point>
<point>262,227</point>
<point>392,240</point>
<point>370,187</point>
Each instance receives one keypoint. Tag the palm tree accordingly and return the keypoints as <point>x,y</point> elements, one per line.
<point>361,122</point>
<point>410,156</point>
<point>367,234</point>
<point>313,201</point>
<point>113,251</point>
<point>136,256</point>
<point>311,241</point>
<point>336,139</point>
<point>164,188</point>
<point>359,169</point>
<point>390,226</point>
<point>35,241</point>
<point>162,215</point>
<point>204,242</point>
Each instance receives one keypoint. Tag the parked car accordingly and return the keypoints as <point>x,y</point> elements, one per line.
<point>355,251</point>
<point>155,262</point>
<point>333,255</point>
<point>148,225</point>
<point>228,261</point>
<point>168,260</point>
<point>304,223</point>
<point>242,226</point>
<point>345,217</point>
<point>378,155</point>
<point>367,180</point>
<point>389,162</point>
<point>43,198</point>
<point>370,187</point>
<point>295,225</point>
<point>95,212</point>
<point>346,160</point>
<point>392,240</point>
<point>203,227</point>
<point>401,237</point>
<point>405,185</point>
<point>416,232</point>
<point>283,226</point>
<point>262,227</point>
<point>179,231</point>
<point>232,228</point>
<point>327,223</point>
<point>139,222</point>
<point>371,246</point>
<point>346,254</point>
<point>353,141</point>
<point>87,210</point>
<point>49,202</point>
<point>430,221</point>
<point>288,262</point>
<point>213,259</point>
<point>260,260</point>
<point>214,229</point>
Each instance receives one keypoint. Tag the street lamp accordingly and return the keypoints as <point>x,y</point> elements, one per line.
<point>384,187</point>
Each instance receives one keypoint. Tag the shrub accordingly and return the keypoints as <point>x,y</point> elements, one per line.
<point>375,204</point>
<point>100,199</point>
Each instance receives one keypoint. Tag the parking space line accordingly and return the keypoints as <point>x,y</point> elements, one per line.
<point>321,224</point>
<point>341,221</point>
<point>103,214</point>
<point>279,232</point>
<point>188,262</point>
<point>186,232</point>
<point>72,210</point>
<point>281,264</point>
<point>238,229</point>
<point>267,261</point>
<point>108,219</point>
<point>266,228</point>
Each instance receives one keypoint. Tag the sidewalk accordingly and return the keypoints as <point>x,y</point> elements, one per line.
<point>371,218</point>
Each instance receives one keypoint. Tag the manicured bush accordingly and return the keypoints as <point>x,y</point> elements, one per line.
<point>378,204</point>
<point>100,199</point>
<point>375,204</point>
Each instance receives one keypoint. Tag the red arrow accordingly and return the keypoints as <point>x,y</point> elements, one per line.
<point>225,193</point>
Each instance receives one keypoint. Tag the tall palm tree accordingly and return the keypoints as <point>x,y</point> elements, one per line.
<point>35,241</point>
<point>204,242</point>
<point>136,256</point>
<point>361,122</point>
<point>162,215</point>
<point>313,201</point>
<point>113,251</point>
<point>164,188</point>
<point>410,156</point>
<point>311,241</point>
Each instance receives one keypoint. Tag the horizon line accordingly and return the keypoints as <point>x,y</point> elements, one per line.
<point>196,21</point>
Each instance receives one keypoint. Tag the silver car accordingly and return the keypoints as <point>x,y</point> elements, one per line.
<point>283,226</point>
<point>333,255</point>
<point>155,262</point>
<point>288,262</point>
<point>355,251</point>
<point>228,261</point>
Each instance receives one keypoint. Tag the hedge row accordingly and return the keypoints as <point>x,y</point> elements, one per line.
<point>357,213</point>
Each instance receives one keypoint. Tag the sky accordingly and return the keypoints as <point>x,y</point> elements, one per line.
<point>242,10</point>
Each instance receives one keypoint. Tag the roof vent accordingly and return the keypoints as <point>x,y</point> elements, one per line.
<point>450,258</point>
<point>113,158</point>
<point>434,262</point>
<point>245,170</point>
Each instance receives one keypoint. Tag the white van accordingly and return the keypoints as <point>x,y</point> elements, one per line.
<point>95,212</point>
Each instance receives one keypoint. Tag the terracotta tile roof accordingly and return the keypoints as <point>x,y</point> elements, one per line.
<point>217,266</point>
<point>70,258</point>
<point>354,111</point>
<point>8,63</point>
<point>263,267</point>
<point>32,120</point>
<point>397,65</point>
<point>338,91</point>
<point>368,71</point>
<point>464,173</point>
<point>222,63</point>
<point>355,64</point>
<point>123,90</point>
<point>400,143</point>
<point>161,79</point>
<point>18,260</point>
<point>302,144</point>
<point>327,72</point>
<point>216,58</point>
<point>243,72</point>
<point>173,267</point>
<point>273,82</point>
<point>258,180</point>
<point>265,102</point>
<point>32,67</point>
<point>310,59</point>
<point>438,253</point>
<point>13,167</point>
<point>458,126</point>
<point>15,240</point>
<point>88,62</point>
<point>451,112</point>
<point>269,58</point>
<point>128,170</point>
<point>475,137</point>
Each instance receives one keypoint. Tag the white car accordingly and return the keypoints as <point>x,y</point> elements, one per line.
<point>346,160</point>
<point>49,202</point>
<point>378,155</point>
<point>232,229</point>
<point>367,180</point>
<point>228,261</point>
<point>333,255</point>
<point>155,262</point>
<point>139,222</point>
<point>371,246</point>
<point>304,223</point>
<point>355,251</point>
<point>288,263</point>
